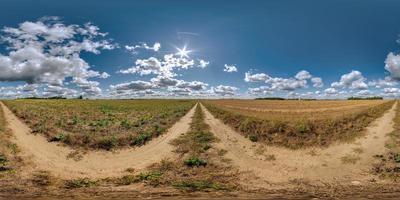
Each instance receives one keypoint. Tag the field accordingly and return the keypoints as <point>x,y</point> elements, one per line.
<point>212,148</point>
<point>100,124</point>
<point>296,124</point>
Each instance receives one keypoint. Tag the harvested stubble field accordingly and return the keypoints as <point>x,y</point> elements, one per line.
<point>295,124</point>
<point>100,124</point>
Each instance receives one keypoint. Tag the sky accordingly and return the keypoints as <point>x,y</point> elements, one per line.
<point>199,49</point>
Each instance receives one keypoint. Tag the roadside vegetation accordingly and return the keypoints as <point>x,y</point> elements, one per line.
<point>198,166</point>
<point>388,165</point>
<point>100,124</point>
<point>297,124</point>
<point>10,162</point>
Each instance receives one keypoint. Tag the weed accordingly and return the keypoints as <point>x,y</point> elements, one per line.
<point>195,162</point>
<point>57,138</point>
<point>79,183</point>
<point>253,138</point>
<point>150,176</point>
<point>141,139</point>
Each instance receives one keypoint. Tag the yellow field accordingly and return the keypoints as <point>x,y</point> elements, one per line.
<point>295,110</point>
<point>295,124</point>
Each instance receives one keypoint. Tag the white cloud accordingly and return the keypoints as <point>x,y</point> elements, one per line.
<point>262,90</point>
<point>331,91</point>
<point>48,51</point>
<point>352,80</point>
<point>364,93</point>
<point>134,49</point>
<point>260,77</point>
<point>317,82</point>
<point>392,65</point>
<point>224,90</point>
<point>303,75</point>
<point>391,90</point>
<point>382,83</point>
<point>230,68</point>
<point>203,64</point>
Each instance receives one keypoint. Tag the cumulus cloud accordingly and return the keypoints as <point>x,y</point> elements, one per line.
<point>262,90</point>
<point>303,75</point>
<point>48,51</point>
<point>260,77</point>
<point>230,68</point>
<point>352,80</point>
<point>331,91</point>
<point>203,63</point>
<point>392,65</point>
<point>393,91</point>
<point>224,90</point>
<point>383,83</point>
<point>134,49</point>
<point>284,84</point>
<point>317,82</point>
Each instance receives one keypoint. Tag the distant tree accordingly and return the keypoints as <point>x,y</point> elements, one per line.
<point>365,98</point>
<point>80,97</point>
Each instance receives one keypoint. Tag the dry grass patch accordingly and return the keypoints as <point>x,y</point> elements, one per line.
<point>388,164</point>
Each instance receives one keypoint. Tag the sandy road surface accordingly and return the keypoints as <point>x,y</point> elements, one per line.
<point>52,157</point>
<point>275,165</point>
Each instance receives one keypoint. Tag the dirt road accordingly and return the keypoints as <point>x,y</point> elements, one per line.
<point>53,157</point>
<point>344,163</point>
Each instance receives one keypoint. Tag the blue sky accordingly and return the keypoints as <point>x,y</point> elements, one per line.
<point>347,44</point>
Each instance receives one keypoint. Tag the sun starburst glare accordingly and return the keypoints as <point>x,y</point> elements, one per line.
<point>183,53</point>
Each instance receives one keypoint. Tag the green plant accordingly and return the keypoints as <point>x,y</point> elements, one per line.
<point>150,176</point>
<point>79,183</point>
<point>195,162</point>
<point>3,160</point>
<point>141,139</point>
<point>253,138</point>
<point>58,137</point>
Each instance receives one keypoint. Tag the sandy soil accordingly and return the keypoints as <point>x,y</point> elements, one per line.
<point>54,157</point>
<point>276,166</point>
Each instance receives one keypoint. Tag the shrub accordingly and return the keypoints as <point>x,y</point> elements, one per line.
<point>150,176</point>
<point>58,137</point>
<point>79,183</point>
<point>195,162</point>
<point>141,139</point>
<point>253,138</point>
<point>108,143</point>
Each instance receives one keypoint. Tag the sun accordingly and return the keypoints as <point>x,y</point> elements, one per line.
<point>183,53</point>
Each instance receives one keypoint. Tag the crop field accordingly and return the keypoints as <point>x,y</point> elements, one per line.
<point>295,124</point>
<point>100,124</point>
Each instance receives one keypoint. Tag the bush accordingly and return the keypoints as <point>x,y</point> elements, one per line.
<point>150,176</point>
<point>79,183</point>
<point>253,138</point>
<point>195,161</point>
<point>57,138</point>
<point>141,139</point>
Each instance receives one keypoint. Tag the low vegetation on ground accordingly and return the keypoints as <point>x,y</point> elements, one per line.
<point>197,168</point>
<point>388,164</point>
<point>100,124</point>
<point>296,124</point>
